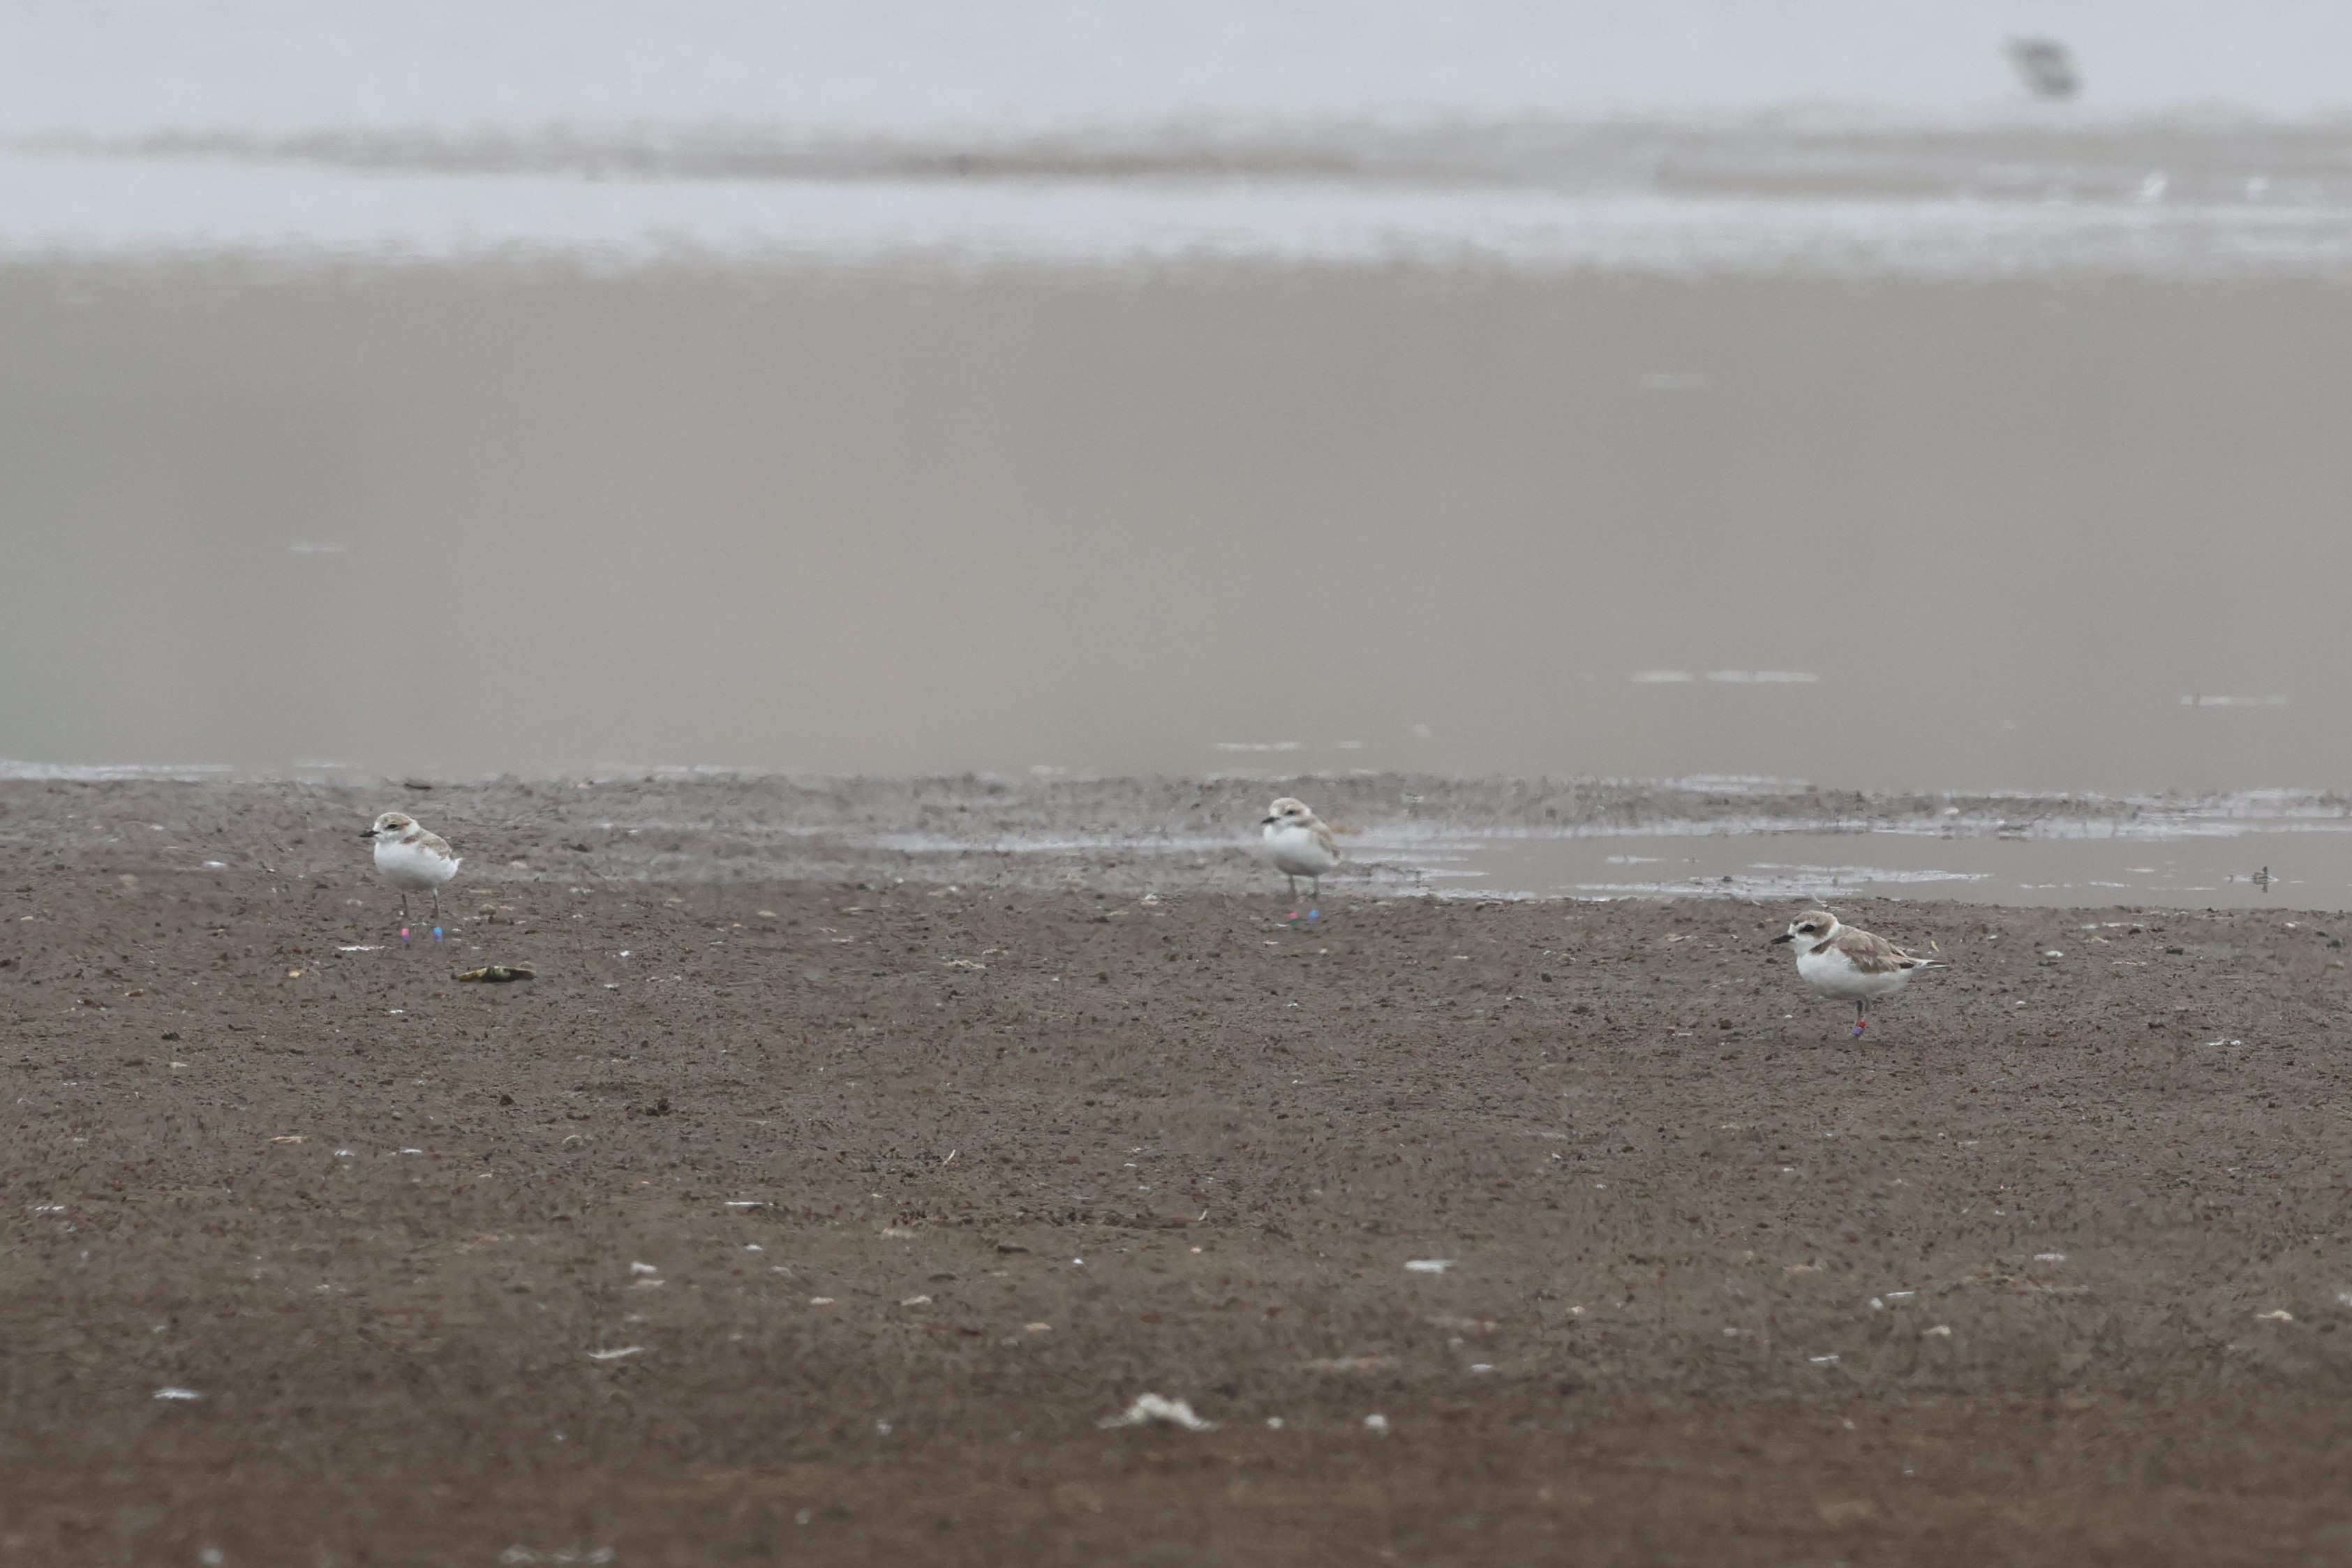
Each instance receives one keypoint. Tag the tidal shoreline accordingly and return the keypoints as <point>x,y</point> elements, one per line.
<point>1145,834</point>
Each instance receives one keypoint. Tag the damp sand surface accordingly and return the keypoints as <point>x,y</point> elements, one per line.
<point>1760,840</point>
<point>839,1214</point>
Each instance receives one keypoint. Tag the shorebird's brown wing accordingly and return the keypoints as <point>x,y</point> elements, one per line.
<point>1872,955</point>
<point>1323,836</point>
<point>432,843</point>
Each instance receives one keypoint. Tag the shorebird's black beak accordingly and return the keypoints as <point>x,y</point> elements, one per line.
<point>1269,821</point>
<point>367,832</point>
<point>1784,937</point>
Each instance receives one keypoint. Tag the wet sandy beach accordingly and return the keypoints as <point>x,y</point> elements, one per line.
<point>754,1224</point>
<point>1759,840</point>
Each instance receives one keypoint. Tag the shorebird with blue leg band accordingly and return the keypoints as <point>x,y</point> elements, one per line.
<point>1299,844</point>
<point>412,861</point>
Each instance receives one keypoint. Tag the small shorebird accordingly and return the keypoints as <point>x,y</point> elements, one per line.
<point>1298,844</point>
<point>2045,66</point>
<point>1840,961</point>
<point>411,859</point>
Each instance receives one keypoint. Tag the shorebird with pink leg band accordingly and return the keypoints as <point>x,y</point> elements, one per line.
<point>1850,965</point>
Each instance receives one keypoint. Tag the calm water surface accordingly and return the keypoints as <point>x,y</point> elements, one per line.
<point>2043,534</point>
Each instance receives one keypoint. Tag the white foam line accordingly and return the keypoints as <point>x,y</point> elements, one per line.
<point>1872,874</point>
<point>54,206</point>
<point>87,773</point>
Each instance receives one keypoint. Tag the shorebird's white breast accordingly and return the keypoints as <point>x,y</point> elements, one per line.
<point>1833,973</point>
<point>1296,852</point>
<point>413,867</point>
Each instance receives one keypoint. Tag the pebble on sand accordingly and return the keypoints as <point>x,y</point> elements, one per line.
<point>1150,1407</point>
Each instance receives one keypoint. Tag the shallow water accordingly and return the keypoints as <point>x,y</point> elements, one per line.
<point>2268,852</point>
<point>2256,865</point>
<point>2262,865</point>
<point>1756,840</point>
<point>1259,518</point>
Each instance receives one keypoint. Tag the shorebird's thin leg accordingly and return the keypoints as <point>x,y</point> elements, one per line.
<point>404,908</point>
<point>1315,890</point>
<point>1860,1016</point>
<point>1293,882</point>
